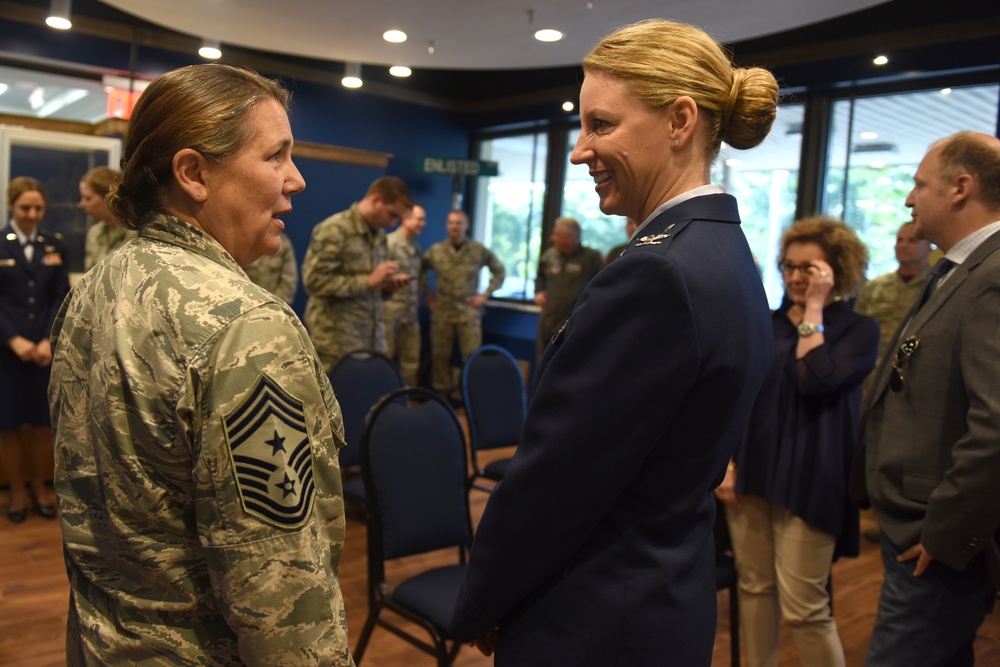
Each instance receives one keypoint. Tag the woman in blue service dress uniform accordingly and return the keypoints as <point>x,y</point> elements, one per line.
<point>34,279</point>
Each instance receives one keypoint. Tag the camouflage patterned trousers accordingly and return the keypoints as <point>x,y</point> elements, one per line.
<point>402,341</point>
<point>445,327</point>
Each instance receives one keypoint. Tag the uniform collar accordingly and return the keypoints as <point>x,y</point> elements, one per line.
<point>168,229</point>
<point>23,238</point>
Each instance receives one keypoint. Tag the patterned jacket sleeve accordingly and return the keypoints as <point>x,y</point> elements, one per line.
<point>324,265</point>
<point>273,574</point>
<point>497,271</point>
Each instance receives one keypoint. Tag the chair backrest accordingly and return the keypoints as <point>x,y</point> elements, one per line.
<point>359,380</point>
<point>414,466</point>
<point>495,398</point>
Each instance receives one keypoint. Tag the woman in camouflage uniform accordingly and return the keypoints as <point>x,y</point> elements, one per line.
<point>196,432</point>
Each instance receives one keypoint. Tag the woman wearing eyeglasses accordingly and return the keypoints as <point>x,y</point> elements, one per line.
<point>786,489</point>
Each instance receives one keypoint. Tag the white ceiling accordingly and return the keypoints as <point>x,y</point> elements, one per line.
<point>466,34</point>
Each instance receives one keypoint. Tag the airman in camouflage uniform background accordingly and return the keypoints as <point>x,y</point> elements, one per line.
<point>347,269</point>
<point>563,271</point>
<point>277,273</point>
<point>107,233</point>
<point>456,304</point>
<point>196,431</point>
<point>399,311</point>
<point>888,298</point>
<point>101,239</point>
<point>617,251</point>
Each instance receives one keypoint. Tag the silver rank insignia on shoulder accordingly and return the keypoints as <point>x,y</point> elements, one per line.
<point>654,239</point>
<point>269,443</point>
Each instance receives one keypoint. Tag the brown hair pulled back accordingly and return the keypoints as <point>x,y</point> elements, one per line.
<point>21,184</point>
<point>662,60</point>
<point>202,107</point>
<point>100,179</point>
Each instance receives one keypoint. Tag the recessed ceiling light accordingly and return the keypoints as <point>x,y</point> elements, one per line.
<point>210,49</point>
<point>394,36</point>
<point>880,60</point>
<point>568,106</point>
<point>352,75</point>
<point>548,35</point>
<point>869,136</point>
<point>58,23</point>
<point>946,91</point>
<point>400,70</point>
<point>58,17</point>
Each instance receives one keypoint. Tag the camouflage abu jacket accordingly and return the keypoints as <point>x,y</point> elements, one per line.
<point>196,442</point>
<point>457,275</point>
<point>402,304</point>
<point>343,313</point>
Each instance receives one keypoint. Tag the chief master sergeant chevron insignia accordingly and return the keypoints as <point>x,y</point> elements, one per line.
<point>269,445</point>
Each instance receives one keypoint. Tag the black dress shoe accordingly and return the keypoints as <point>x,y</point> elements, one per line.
<point>16,516</point>
<point>47,511</point>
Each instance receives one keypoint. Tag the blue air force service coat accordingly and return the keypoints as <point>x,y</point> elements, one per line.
<point>597,547</point>
<point>30,292</point>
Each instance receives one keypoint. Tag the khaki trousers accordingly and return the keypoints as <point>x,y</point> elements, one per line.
<point>783,564</point>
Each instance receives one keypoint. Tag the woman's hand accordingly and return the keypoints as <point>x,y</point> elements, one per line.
<point>820,283</point>
<point>23,348</point>
<point>488,642</point>
<point>726,492</point>
<point>42,354</point>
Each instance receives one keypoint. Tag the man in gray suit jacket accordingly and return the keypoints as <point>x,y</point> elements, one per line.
<point>928,458</point>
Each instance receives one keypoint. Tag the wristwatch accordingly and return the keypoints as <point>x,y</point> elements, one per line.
<point>808,328</point>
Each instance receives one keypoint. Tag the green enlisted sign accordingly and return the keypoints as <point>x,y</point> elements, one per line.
<point>456,166</point>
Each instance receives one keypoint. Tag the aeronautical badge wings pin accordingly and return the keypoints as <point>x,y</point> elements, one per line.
<point>269,444</point>
<point>653,239</point>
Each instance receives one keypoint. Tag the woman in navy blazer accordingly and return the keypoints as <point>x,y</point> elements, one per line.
<point>597,546</point>
<point>34,279</point>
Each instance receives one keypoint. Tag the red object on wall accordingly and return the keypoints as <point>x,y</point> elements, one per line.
<point>121,102</point>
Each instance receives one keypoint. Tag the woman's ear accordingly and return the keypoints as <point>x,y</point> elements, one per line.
<point>682,116</point>
<point>189,172</point>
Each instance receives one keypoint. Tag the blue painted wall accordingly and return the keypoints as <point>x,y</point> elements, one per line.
<point>328,115</point>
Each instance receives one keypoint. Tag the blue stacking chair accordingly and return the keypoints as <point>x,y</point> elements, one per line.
<point>414,465</point>
<point>495,405</point>
<point>359,380</point>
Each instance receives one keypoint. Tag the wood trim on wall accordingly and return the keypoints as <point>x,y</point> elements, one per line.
<point>116,127</point>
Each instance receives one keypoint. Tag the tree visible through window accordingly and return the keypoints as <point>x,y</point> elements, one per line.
<point>508,215</point>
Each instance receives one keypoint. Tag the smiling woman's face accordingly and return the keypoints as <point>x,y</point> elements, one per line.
<point>622,141</point>
<point>28,210</point>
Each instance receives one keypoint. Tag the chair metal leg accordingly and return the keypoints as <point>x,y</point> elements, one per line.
<point>366,632</point>
<point>734,624</point>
